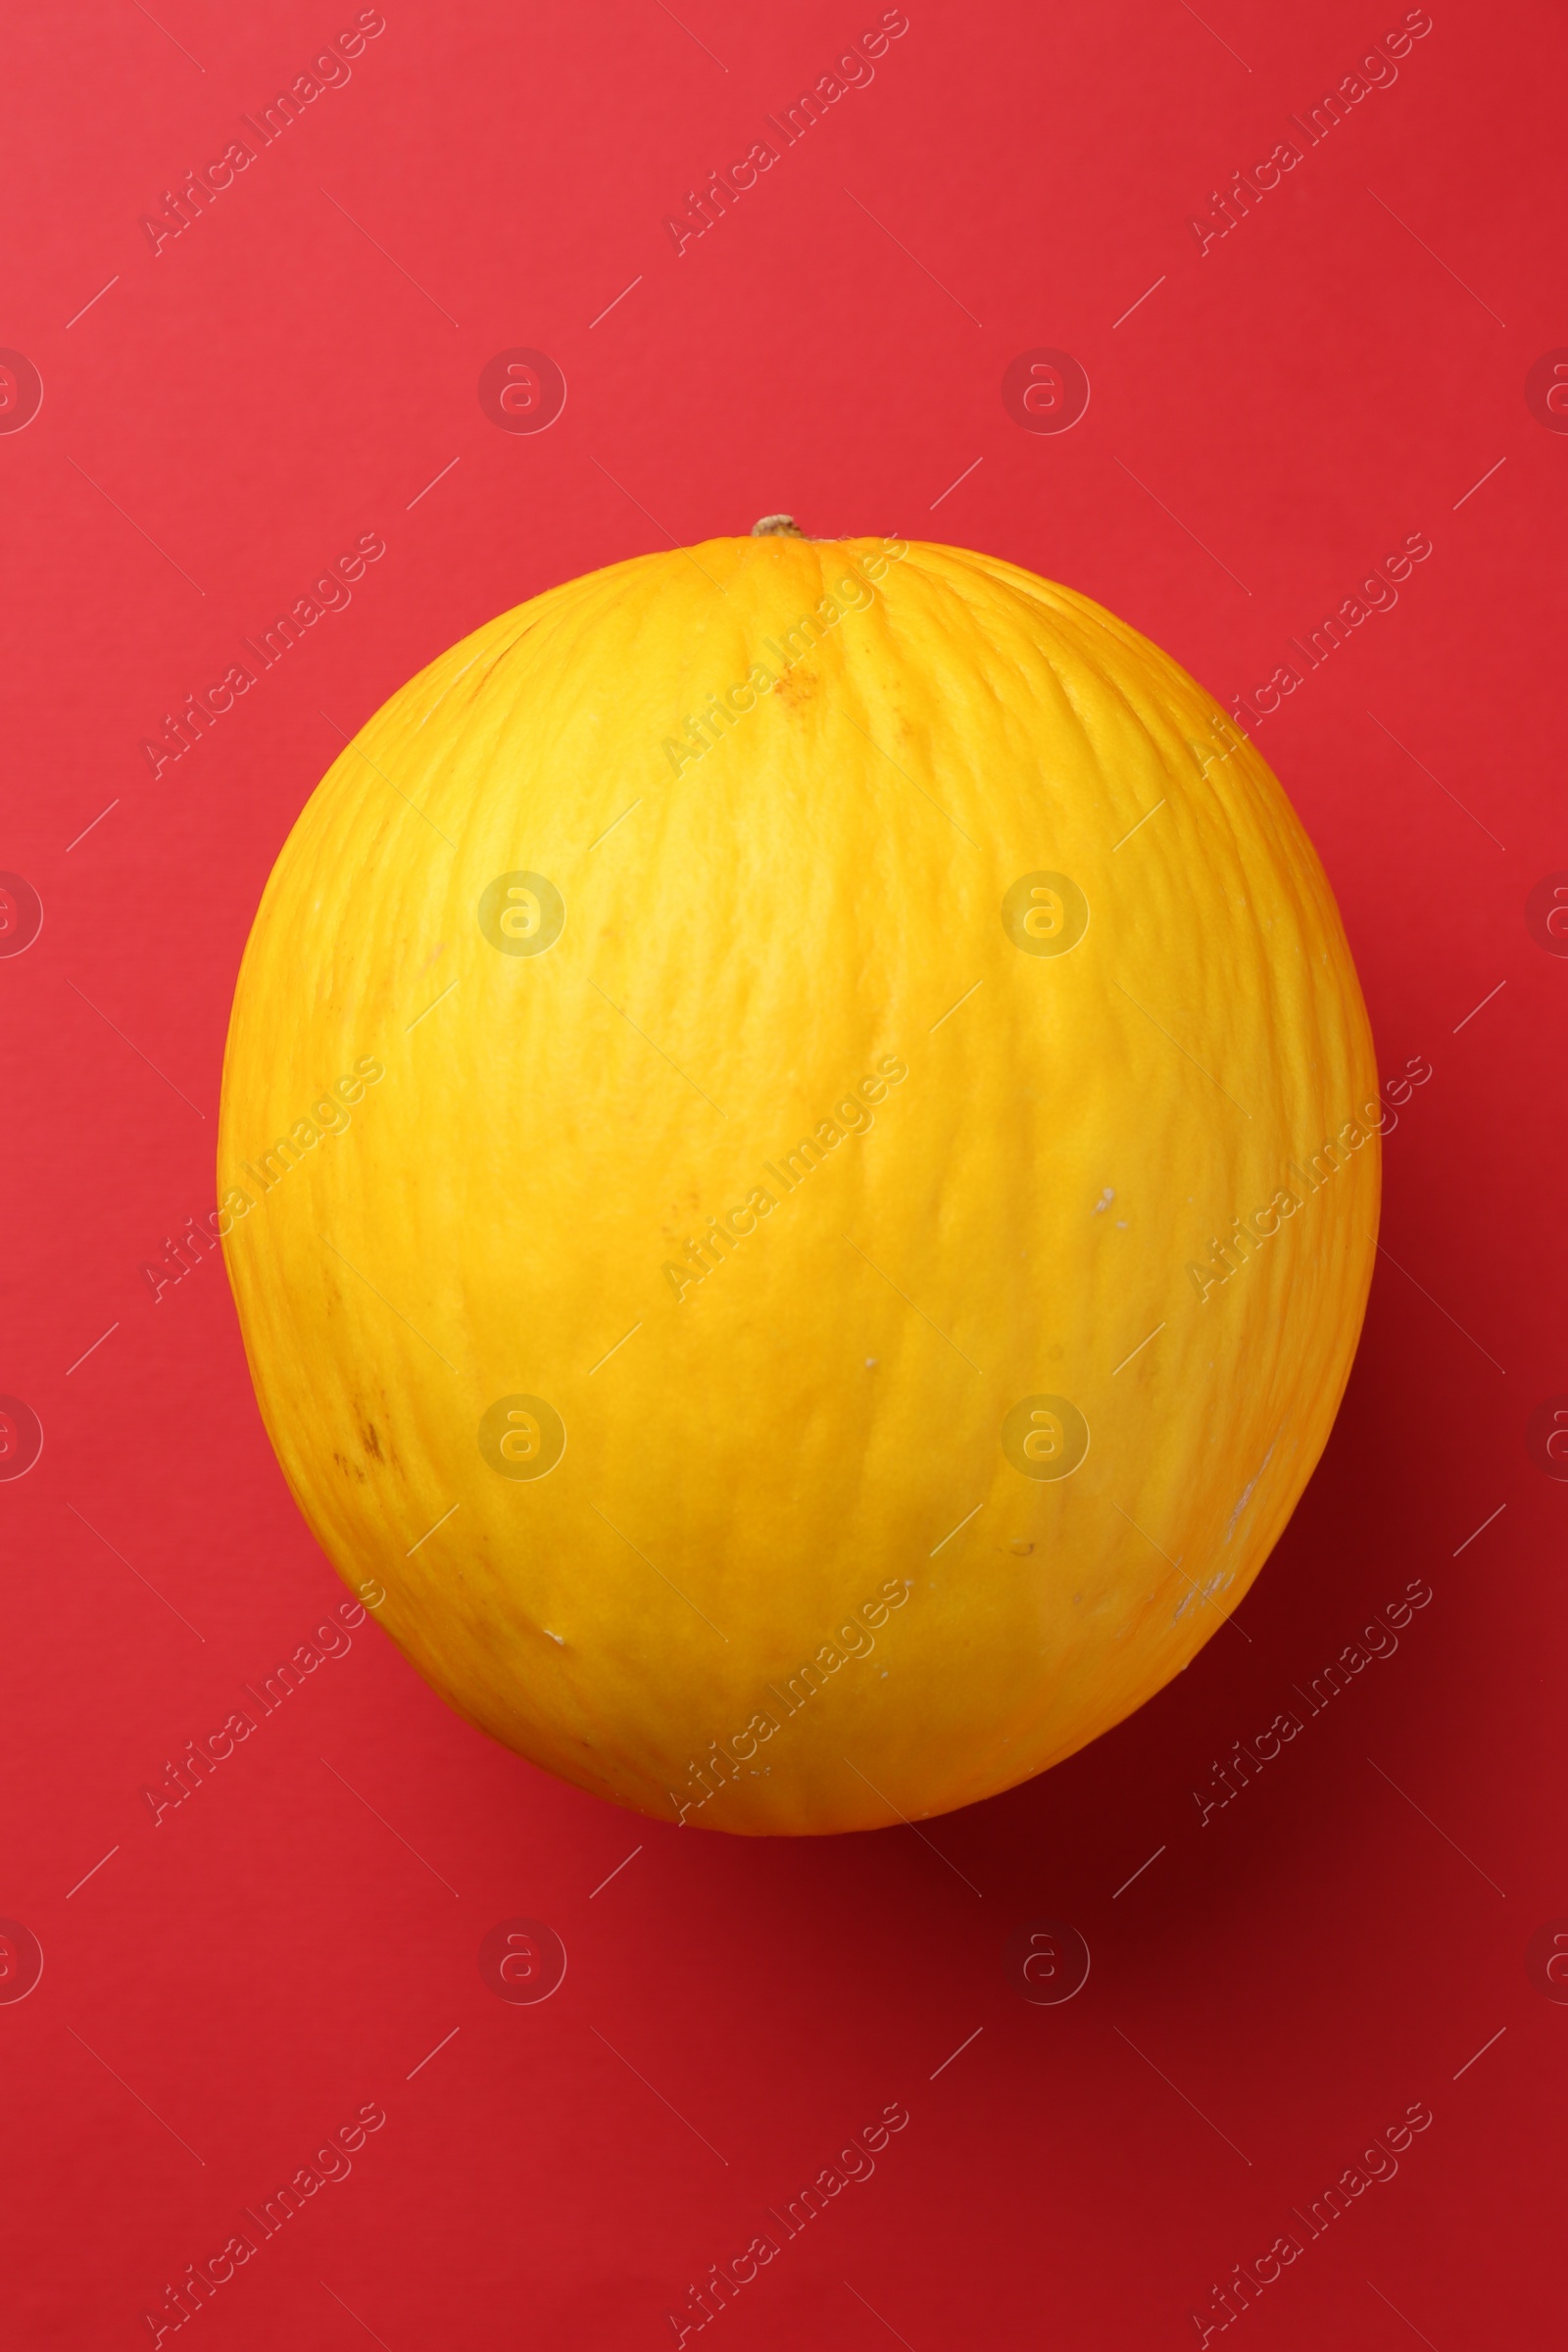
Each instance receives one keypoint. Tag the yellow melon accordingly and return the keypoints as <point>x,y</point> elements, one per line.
<point>800,1166</point>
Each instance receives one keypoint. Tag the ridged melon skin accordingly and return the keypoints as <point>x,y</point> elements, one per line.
<point>1032,1117</point>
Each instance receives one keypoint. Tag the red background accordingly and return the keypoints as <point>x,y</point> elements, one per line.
<point>222,422</point>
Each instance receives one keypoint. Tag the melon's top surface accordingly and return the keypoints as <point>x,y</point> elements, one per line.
<point>730,1066</point>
